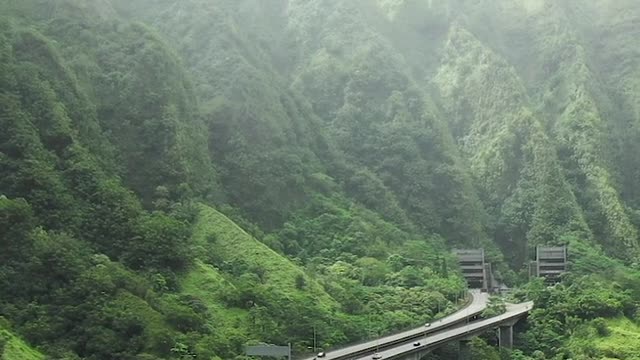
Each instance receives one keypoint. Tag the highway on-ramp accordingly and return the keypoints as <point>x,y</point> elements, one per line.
<point>478,303</point>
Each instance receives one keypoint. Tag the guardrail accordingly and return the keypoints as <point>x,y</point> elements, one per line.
<point>470,330</point>
<point>367,349</point>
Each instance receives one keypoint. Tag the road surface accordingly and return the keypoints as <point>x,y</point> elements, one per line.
<point>457,333</point>
<point>478,304</point>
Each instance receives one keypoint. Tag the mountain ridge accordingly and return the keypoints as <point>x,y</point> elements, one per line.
<point>350,143</point>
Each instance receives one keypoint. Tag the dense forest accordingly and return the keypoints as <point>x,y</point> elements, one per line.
<point>180,178</point>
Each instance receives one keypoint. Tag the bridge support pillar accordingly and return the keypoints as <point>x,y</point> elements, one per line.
<point>505,336</point>
<point>464,352</point>
<point>415,356</point>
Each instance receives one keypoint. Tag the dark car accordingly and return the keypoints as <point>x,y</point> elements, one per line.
<point>417,343</point>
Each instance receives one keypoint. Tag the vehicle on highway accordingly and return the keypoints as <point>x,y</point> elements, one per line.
<point>321,354</point>
<point>417,343</point>
<point>376,356</point>
<point>427,324</point>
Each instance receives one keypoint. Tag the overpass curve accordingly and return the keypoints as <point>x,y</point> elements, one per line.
<point>402,351</point>
<point>478,303</point>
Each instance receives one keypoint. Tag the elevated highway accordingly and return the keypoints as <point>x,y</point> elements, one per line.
<point>479,301</point>
<point>455,327</point>
<point>504,322</point>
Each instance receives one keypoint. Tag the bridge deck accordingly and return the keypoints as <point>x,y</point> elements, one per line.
<point>514,311</point>
<point>478,304</point>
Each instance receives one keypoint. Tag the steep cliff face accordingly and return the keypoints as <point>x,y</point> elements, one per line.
<point>494,106</point>
<point>468,118</point>
<point>568,66</point>
<point>511,157</point>
<point>563,55</point>
<point>382,120</point>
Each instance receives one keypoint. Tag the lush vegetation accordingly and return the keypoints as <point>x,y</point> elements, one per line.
<point>13,348</point>
<point>181,178</point>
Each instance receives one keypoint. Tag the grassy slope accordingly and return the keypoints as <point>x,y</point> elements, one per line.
<point>235,245</point>
<point>16,349</point>
<point>620,342</point>
<point>207,283</point>
<point>623,342</point>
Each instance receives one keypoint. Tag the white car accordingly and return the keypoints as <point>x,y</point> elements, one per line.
<point>427,324</point>
<point>321,354</point>
<point>376,356</point>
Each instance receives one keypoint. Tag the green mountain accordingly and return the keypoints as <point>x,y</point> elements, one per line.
<point>182,178</point>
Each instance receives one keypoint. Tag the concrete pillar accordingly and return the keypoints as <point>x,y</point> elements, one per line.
<point>487,283</point>
<point>484,277</point>
<point>464,352</point>
<point>414,356</point>
<point>533,269</point>
<point>505,337</point>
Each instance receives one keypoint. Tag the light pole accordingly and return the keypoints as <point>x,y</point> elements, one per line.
<point>315,347</point>
<point>467,319</point>
<point>424,332</point>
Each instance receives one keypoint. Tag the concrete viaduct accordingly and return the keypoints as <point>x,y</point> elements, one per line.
<point>460,326</point>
